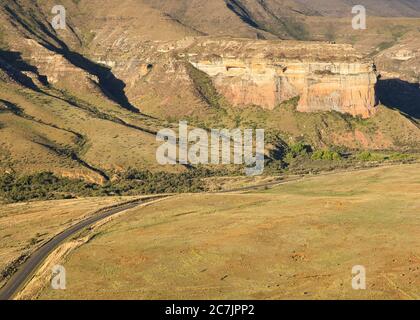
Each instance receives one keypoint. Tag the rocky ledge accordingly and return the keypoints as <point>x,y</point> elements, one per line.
<point>325,76</point>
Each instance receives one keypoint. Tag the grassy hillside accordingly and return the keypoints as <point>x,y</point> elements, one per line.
<point>284,19</point>
<point>52,129</point>
<point>69,104</point>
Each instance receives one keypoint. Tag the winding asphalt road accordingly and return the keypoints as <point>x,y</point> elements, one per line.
<point>26,270</point>
<point>29,267</point>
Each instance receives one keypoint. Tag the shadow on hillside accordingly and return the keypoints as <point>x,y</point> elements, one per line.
<point>13,64</point>
<point>401,95</point>
<point>237,8</point>
<point>111,86</point>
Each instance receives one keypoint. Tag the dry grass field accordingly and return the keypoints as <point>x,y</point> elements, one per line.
<point>24,227</point>
<point>299,240</point>
<point>86,102</point>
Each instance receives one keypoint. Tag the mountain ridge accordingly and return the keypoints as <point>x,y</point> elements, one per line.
<point>87,101</point>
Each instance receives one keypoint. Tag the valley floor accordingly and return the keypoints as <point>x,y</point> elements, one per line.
<point>26,226</point>
<point>298,240</point>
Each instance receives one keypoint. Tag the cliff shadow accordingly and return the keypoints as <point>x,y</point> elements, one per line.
<point>112,87</point>
<point>401,95</point>
<point>15,66</point>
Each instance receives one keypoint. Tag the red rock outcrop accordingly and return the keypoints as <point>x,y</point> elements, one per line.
<point>326,76</point>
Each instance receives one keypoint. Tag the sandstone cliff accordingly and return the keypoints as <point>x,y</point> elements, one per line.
<point>325,76</point>
<point>72,90</point>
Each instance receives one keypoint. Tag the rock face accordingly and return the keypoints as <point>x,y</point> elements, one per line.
<point>325,76</point>
<point>57,70</point>
<point>265,73</point>
<point>401,61</point>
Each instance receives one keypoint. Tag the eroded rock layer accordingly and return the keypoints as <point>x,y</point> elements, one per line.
<point>325,76</point>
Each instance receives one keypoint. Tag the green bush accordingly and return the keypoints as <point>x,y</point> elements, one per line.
<point>47,186</point>
<point>399,156</point>
<point>326,155</point>
<point>44,186</point>
<point>368,156</point>
<point>300,149</point>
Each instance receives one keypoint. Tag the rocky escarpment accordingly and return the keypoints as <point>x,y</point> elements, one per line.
<point>325,76</point>
<point>402,60</point>
<point>399,67</point>
<point>265,73</point>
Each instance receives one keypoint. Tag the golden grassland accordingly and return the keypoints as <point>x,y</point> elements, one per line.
<point>24,227</point>
<point>105,144</point>
<point>297,240</point>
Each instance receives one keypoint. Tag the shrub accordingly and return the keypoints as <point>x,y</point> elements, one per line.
<point>300,149</point>
<point>297,150</point>
<point>44,186</point>
<point>326,155</point>
<point>47,186</point>
<point>399,156</point>
<point>368,156</point>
